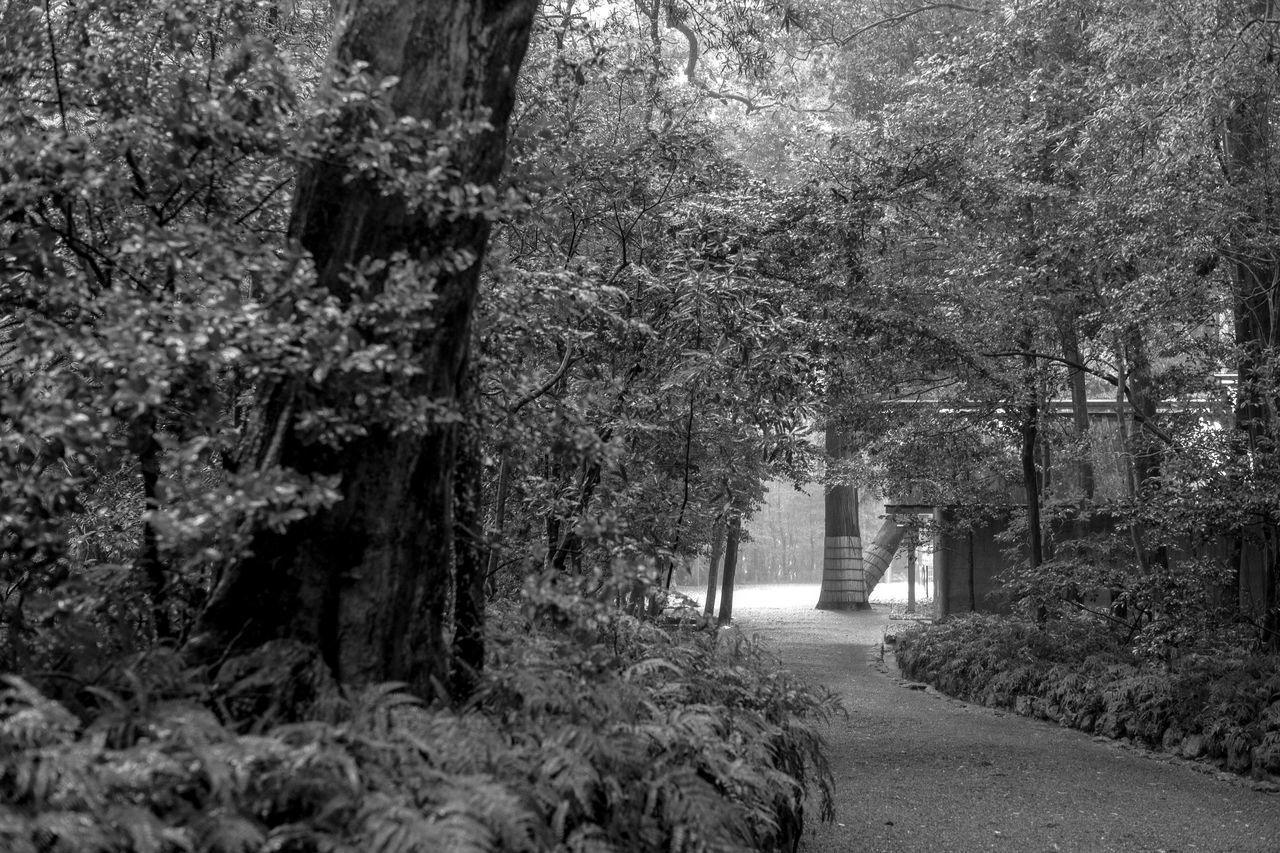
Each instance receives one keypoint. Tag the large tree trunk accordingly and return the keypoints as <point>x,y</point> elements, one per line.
<point>1256,303</point>
<point>368,579</point>
<point>469,572</point>
<point>843,585</point>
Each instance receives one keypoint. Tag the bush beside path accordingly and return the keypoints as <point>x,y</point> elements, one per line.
<point>917,771</point>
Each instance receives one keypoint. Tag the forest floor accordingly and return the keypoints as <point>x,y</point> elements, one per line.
<point>919,771</point>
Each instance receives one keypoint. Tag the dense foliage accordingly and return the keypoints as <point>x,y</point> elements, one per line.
<point>1056,233</point>
<point>591,731</point>
<point>1021,256</point>
<point>1222,706</point>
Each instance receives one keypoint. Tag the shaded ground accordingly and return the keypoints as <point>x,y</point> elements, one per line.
<point>916,771</point>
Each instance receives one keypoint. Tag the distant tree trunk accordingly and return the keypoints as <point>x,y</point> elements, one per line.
<point>1079,402</point>
<point>843,584</point>
<point>1030,429</point>
<point>1141,392</point>
<point>713,565</point>
<point>142,440</point>
<point>732,535</point>
<point>1146,450</point>
<point>568,546</point>
<point>368,579</point>
<point>973,581</point>
<point>784,570</point>
<point>911,567</point>
<point>499,514</point>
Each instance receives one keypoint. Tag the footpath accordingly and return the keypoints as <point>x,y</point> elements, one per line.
<point>918,771</point>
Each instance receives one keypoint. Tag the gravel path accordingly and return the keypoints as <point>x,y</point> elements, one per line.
<point>917,771</point>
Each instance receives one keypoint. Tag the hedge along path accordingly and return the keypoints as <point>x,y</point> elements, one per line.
<point>917,771</point>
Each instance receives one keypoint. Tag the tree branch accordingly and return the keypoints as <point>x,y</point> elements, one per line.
<point>903,16</point>
<point>545,386</point>
<point>1142,420</point>
<point>691,69</point>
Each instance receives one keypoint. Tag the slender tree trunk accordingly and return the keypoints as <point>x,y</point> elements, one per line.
<point>569,545</point>
<point>1079,403</point>
<point>911,567</point>
<point>1145,449</point>
<point>499,515</point>
<point>713,565</point>
<point>1030,429</point>
<point>1250,160</point>
<point>732,536</point>
<point>973,581</point>
<point>368,579</point>
<point>142,439</point>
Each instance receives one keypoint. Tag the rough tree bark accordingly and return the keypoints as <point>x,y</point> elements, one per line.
<point>1250,158</point>
<point>843,584</point>
<point>368,580</point>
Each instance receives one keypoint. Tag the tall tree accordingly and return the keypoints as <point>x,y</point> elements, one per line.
<point>369,577</point>
<point>1251,165</point>
<point>843,582</point>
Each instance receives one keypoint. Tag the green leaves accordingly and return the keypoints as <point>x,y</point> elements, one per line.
<point>673,740</point>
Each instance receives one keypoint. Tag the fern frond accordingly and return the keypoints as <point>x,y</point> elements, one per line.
<point>71,831</point>
<point>391,826</point>
<point>223,831</point>
<point>464,833</point>
<point>649,667</point>
<point>510,818</point>
<point>58,777</point>
<point>590,839</point>
<point>143,830</point>
<point>29,719</point>
<point>15,832</point>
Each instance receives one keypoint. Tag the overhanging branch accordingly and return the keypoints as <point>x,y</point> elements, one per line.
<point>903,16</point>
<point>1142,420</point>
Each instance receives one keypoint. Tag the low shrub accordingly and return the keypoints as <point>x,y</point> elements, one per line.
<point>592,730</point>
<point>1225,706</point>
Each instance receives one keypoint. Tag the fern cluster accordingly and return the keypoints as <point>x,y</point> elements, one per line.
<point>1224,706</point>
<point>592,730</point>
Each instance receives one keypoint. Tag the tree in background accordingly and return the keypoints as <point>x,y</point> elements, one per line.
<point>662,374</point>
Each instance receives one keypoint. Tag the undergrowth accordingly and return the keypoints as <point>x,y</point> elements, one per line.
<point>591,730</point>
<point>1223,707</point>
